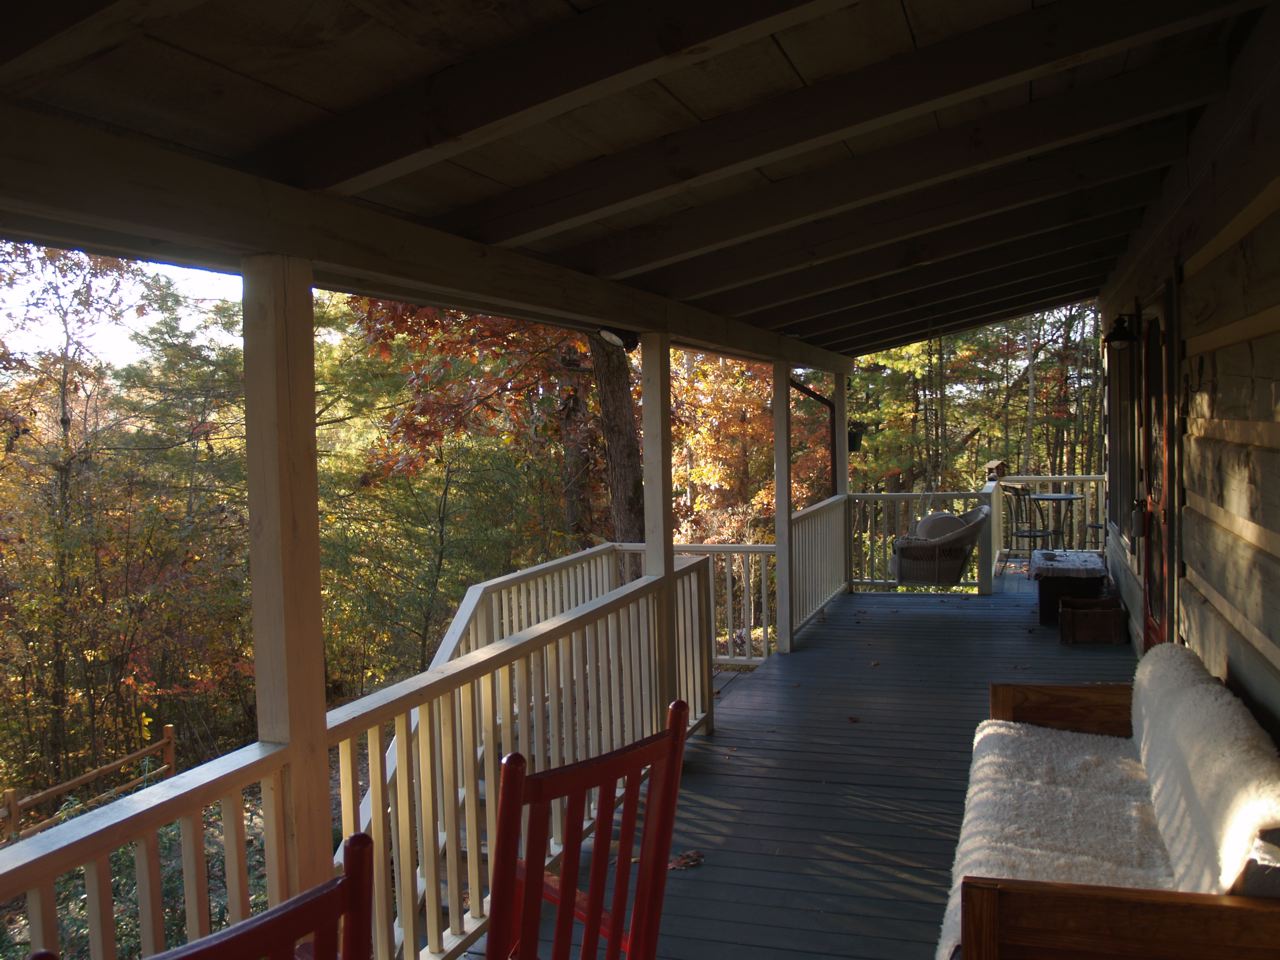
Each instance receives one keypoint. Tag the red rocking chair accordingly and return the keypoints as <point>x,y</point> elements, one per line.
<point>515,909</point>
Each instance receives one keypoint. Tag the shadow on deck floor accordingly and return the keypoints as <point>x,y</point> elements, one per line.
<point>828,802</point>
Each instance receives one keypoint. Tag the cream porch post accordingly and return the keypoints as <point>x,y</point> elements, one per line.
<point>782,498</point>
<point>659,518</point>
<point>284,565</point>
<point>840,482</point>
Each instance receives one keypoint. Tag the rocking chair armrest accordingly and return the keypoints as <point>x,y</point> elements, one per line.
<point>1023,918</point>
<point>1104,708</point>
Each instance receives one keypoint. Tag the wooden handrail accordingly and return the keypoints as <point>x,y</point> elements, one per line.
<point>479,593</point>
<point>697,549</point>
<point>819,507</point>
<point>163,746</point>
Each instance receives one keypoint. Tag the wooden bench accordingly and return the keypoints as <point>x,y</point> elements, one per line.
<point>1178,884</point>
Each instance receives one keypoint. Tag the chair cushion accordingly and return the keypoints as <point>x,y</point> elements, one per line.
<point>937,525</point>
<point>1215,776</point>
<point>1055,805</point>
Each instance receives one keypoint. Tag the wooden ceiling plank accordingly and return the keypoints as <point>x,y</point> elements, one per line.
<point>927,321</point>
<point>1146,148</point>
<point>551,71</point>
<point>1120,200</point>
<point>962,296</point>
<point>991,58</point>
<point>1004,138</point>
<point>43,39</point>
<point>107,184</point>
<point>875,343</point>
<point>1004,264</point>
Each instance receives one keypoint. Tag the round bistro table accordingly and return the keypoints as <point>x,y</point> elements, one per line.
<point>1062,507</point>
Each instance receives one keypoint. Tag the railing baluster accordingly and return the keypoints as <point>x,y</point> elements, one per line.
<point>592,691</point>
<point>42,915</point>
<point>728,601</point>
<point>524,732</point>
<point>380,829</point>
<point>537,755</point>
<point>406,868</point>
<point>449,805</point>
<point>555,727</point>
<point>626,663</point>
<point>429,801</point>
<point>195,875</point>
<point>101,909</point>
<point>273,838</point>
<point>235,862</point>
<point>610,629</point>
<point>146,861</point>
<point>577,642</point>
<point>471,799</point>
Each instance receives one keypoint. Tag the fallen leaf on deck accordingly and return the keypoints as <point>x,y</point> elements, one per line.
<point>854,719</point>
<point>686,860</point>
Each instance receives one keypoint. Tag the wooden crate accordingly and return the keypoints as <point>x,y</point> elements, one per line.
<point>1092,620</point>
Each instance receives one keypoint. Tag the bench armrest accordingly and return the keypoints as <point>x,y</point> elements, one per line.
<point>1053,921</point>
<point>1085,708</point>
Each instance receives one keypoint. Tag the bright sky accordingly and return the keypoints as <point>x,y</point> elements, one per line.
<point>115,346</point>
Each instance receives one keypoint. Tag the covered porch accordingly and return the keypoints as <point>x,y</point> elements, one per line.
<point>783,198</point>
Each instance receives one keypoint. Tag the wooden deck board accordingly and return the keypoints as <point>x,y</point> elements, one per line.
<point>826,836</point>
<point>830,837</point>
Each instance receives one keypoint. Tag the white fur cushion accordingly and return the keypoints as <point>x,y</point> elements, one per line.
<point>1163,674</point>
<point>1054,805</point>
<point>1215,777</point>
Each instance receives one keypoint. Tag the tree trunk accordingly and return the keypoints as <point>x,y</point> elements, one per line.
<point>621,439</point>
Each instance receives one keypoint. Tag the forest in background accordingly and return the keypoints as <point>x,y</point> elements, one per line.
<point>452,448</point>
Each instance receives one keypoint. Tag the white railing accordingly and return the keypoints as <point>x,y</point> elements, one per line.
<point>876,519</point>
<point>498,608</point>
<point>741,594</point>
<point>1082,521</point>
<point>576,684</point>
<point>818,537</point>
<point>207,803</point>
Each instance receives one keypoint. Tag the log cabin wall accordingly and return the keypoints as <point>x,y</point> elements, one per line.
<point>1213,239</point>
<point>1229,607</point>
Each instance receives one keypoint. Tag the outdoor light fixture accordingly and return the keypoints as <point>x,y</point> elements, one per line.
<point>1121,333</point>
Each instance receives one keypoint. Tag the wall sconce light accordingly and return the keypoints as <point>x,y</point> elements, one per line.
<point>1123,332</point>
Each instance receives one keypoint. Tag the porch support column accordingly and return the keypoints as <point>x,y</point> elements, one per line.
<point>840,462</point>
<point>659,517</point>
<point>284,557</point>
<point>782,498</point>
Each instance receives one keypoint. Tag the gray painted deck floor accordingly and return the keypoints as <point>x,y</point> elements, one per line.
<point>828,801</point>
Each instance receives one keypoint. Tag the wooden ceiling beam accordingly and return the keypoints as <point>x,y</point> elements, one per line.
<point>41,39</point>
<point>1120,201</point>
<point>972,64</point>
<point>962,295</point>
<point>887,340</point>
<point>1001,139</point>
<point>1146,148</point>
<point>94,186</point>
<point>1009,263</point>
<point>548,72</point>
<point>925,321</point>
